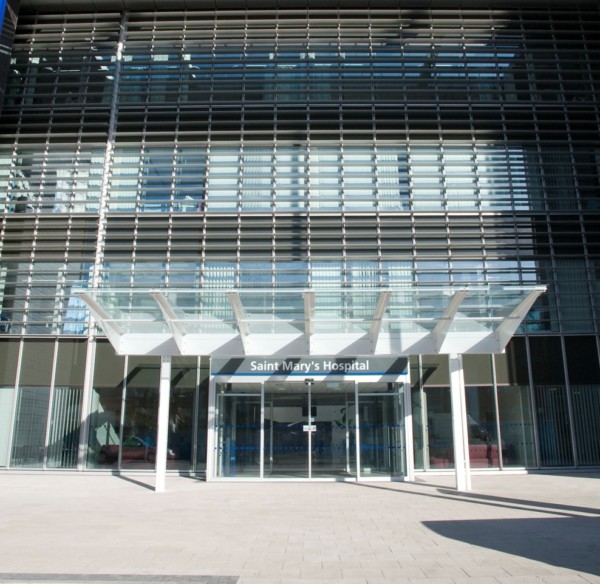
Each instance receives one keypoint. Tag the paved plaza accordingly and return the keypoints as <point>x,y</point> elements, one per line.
<point>511,529</point>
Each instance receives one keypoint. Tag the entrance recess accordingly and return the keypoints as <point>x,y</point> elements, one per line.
<point>309,430</point>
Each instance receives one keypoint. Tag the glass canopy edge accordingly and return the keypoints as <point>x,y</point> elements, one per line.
<point>316,321</point>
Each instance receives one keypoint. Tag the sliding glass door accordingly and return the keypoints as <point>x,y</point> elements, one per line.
<point>308,430</point>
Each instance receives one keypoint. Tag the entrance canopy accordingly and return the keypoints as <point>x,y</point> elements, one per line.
<point>316,321</point>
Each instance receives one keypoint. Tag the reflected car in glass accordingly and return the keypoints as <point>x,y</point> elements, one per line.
<point>133,448</point>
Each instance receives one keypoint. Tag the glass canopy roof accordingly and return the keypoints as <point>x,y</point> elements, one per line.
<point>317,321</point>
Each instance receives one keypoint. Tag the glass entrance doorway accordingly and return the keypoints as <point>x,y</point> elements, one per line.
<point>308,430</point>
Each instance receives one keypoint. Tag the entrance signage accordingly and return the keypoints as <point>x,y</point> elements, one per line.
<point>383,368</point>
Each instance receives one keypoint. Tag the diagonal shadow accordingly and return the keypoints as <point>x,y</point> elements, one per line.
<point>134,481</point>
<point>489,500</point>
<point>525,503</point>
<point>565,542</point>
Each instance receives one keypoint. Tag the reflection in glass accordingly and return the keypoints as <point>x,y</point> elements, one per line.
<point>516,426</point>
<point>553,425</point>
<point>65,421</point>
<point>140,428</point>
<point>586,406</point>
<point>7,395</point>
<point>439,438</point>
<point>105,424</point>
<point>286,429</point>
<point>381,430</point>
<point>483,437</point>
<point>333,441</point>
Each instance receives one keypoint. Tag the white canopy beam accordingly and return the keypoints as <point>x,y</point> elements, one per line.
<point>309,312</point>
<point>240,317</point>
<point>442,327</point>
<point>112,330</point>
<point>309,317</point>
<point>173,322</point>
<point>382,304</point>
<point>510,324</point>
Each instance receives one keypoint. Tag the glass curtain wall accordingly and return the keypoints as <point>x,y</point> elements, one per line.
<point>552,402</point>
<point>516,419</point>
<point>33,400</point>
<point>46,421</point>
<point>501,424</point>
<point>254,125</point>
<point>9,359</point>
<point>124,413</point>
<point>584,377</point>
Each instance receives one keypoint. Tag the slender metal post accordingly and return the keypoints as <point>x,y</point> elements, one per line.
<point>163,423</point>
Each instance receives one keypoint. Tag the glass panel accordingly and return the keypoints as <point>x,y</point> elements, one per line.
<point>438,435</point>
<point>483,436</point>
<point>181,413</point>
<point>516,426</point>
<point>30,427</point>
<point>286,429</point>
<point>9,357</point>
<point>138,448</point>
<point>70,367</point>
<point>105,408</point>
<point>105,424</point>
<point>7,396</point>
<point>511,367</point>
<point>37,359</point>
<point>237,441</point>
<point>584,372</point>
<point>381,430</point>
<point>65,422</point>
<point>333,441</point>
<point>553,425</point>
<point>551,402</point>
<point>586,413</point>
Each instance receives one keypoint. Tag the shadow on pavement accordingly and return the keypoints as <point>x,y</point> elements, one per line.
<point>490,500</point>
<point>570,538</point>
<point>135,482</point>
<point>572,543</point>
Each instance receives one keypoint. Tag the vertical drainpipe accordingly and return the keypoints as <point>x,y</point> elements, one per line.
<point>460,434</point>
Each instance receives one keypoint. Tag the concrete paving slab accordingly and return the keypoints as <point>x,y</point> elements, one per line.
<point>511,529</point>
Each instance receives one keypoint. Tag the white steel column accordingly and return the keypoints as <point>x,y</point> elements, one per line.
<point>163,423</point>
<point>86,401</point>
<point>460,434</point>
<point>211,429</point>
<point>408,428</point>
